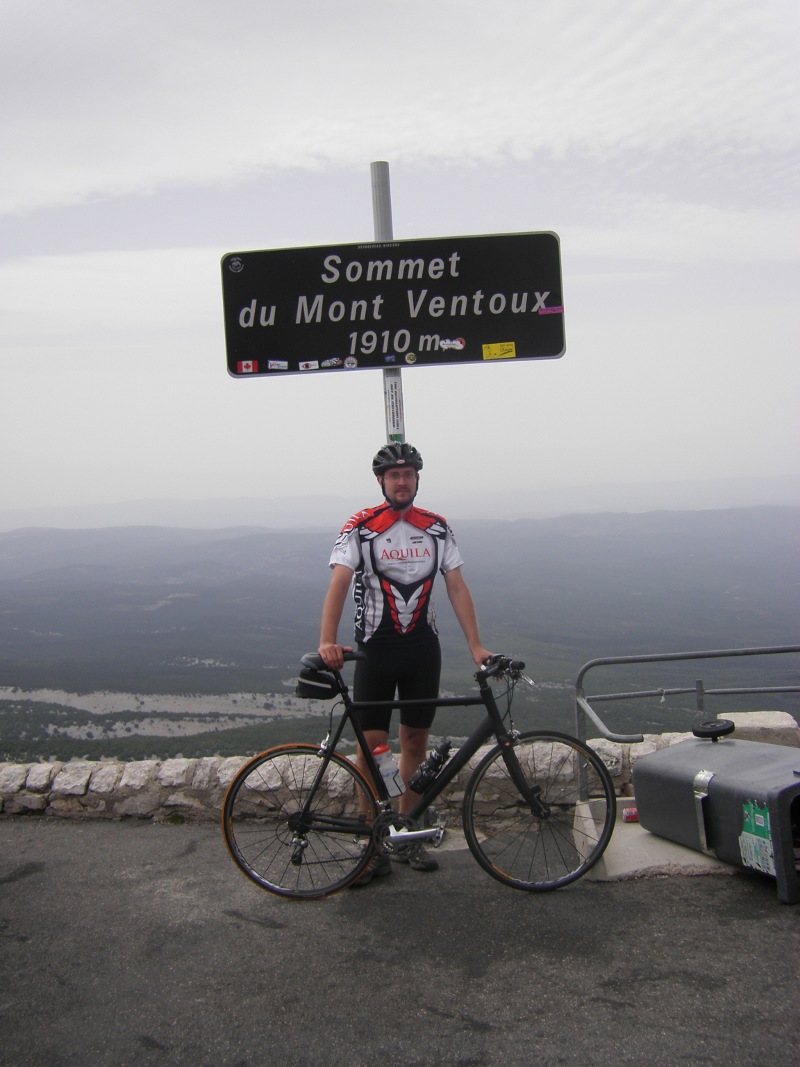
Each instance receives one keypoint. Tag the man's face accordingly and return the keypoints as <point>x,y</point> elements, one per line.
<point>400,486</point>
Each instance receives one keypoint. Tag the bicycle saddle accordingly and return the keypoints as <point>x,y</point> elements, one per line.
<point>315,662</point>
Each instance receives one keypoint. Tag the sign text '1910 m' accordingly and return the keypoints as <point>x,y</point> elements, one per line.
<point>444,300</point>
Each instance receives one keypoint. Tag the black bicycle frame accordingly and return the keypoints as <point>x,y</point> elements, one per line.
<point>490,726</point>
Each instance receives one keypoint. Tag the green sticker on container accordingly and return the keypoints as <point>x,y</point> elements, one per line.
<point>755,840</point>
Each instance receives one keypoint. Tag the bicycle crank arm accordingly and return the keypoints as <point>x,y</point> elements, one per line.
<point>404,837</point>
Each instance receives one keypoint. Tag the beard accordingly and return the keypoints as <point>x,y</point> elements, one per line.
<point>402,501</point>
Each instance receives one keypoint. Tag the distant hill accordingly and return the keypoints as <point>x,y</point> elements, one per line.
<point>629,584</point>
<point>314,508</point>
<point>163,610</point>
<point>154,609</point>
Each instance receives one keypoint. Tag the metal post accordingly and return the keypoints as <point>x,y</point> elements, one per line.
<point>700,695</point>
<point>392,378</point>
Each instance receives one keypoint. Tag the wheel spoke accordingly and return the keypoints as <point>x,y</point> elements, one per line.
<point>540,851</point>
<point>294,831</point>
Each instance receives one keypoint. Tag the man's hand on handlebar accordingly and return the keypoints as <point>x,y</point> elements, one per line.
<point>480,654</point>
<point>495,666</point>
<point>333,655</point>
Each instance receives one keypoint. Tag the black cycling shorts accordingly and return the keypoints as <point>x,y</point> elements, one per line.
<point>406,669</point>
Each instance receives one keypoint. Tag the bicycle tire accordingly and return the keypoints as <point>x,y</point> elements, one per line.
<point>524,850</point>
<point>278,851</point>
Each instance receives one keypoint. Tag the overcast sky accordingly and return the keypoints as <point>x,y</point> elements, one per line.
<point>143,141</point>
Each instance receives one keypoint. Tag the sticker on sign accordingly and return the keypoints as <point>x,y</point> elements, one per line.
<point>448,300</point>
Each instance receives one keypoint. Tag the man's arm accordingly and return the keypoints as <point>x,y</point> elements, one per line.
<point>461,599</point>
<point>332,608</point>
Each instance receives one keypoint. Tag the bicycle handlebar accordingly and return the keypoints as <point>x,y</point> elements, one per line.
<point>498,664</point>
<point>494,666</point>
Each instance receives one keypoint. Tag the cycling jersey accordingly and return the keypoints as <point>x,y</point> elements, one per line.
<point>395,557</point>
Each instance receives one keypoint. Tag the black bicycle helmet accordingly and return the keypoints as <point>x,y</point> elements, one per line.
<point>396,454</point>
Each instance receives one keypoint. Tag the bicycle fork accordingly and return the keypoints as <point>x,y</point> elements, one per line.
<point>530,794</point>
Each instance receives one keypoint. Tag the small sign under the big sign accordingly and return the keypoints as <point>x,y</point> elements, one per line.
<point>393,304</point>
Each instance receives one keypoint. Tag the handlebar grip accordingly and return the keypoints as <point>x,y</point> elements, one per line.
<point>498,663</point>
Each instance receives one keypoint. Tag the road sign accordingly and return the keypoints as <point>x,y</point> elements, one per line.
<point>394,303</point>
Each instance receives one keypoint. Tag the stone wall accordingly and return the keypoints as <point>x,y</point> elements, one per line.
<point>194,789</point>
<point>174,788</point>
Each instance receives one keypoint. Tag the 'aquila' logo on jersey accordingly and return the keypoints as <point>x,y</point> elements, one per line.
<point>405,553</point>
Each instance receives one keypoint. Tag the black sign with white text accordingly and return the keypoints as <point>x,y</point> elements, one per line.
<point>395,303</point>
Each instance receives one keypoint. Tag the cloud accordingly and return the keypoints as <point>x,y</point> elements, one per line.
<point>659,140</point>
<point>668,232</point>
<point>112,99</point>
<point>100,298</point>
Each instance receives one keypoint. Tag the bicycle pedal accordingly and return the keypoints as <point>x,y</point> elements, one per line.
<point>435,819</point>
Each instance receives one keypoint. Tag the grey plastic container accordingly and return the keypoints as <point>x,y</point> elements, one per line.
<point>736,800</point>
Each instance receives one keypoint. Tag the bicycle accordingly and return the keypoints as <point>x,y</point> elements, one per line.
<point>303,821</point>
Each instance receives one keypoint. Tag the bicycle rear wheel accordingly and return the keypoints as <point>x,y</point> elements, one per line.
<point>541,846</point>
<point>292,845</point>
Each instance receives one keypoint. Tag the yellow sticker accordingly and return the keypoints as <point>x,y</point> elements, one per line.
<point>506,350</point>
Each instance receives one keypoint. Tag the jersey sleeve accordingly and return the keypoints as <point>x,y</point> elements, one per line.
<point>451,556</point>
<point>347,549</point>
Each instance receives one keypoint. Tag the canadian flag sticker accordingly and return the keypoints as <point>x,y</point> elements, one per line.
<point>248,366</point>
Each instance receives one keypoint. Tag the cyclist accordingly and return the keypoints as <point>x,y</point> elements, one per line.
<point>391,554</point>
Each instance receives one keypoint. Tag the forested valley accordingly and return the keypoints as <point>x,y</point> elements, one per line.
<point>199,615</point>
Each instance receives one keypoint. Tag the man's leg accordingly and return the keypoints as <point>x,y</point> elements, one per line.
<point>373,739</point>
<point>372,681</point>
<point>413,750</point>
<point>379,865</point>
<point>419,681</point>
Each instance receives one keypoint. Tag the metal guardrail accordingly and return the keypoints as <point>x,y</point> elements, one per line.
<point>584,709</point>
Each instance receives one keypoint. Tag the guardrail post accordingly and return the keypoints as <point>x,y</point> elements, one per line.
<point>698,686</point>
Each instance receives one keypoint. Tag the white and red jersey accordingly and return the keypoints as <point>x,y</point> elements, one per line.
<point>395,557</point>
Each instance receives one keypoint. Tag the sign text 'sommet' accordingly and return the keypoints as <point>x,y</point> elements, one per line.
<point>446,300</point>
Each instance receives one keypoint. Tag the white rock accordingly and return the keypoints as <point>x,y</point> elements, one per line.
<point>228,770</point>
<point>105,778</point>
<point>40,775</point>
<point>138,775</point>
<point>773,727</point>
<point>174,772</point>
<point>142,804</point>
<point>72,780</point>
<point>205,773</point>
<point>12,776</point>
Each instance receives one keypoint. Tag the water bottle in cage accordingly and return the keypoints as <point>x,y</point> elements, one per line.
<point>427,771</point>
<point>390,772</point>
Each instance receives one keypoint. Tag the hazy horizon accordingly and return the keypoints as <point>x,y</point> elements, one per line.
<point>327,510</point>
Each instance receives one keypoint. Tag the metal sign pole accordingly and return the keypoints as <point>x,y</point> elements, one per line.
<point>392,376</point>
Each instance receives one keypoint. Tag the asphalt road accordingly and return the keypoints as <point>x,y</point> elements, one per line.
<point>140,944</point>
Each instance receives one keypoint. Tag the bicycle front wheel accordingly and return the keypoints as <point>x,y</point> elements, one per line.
<point>299,826</point>
<point>554,833</point>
